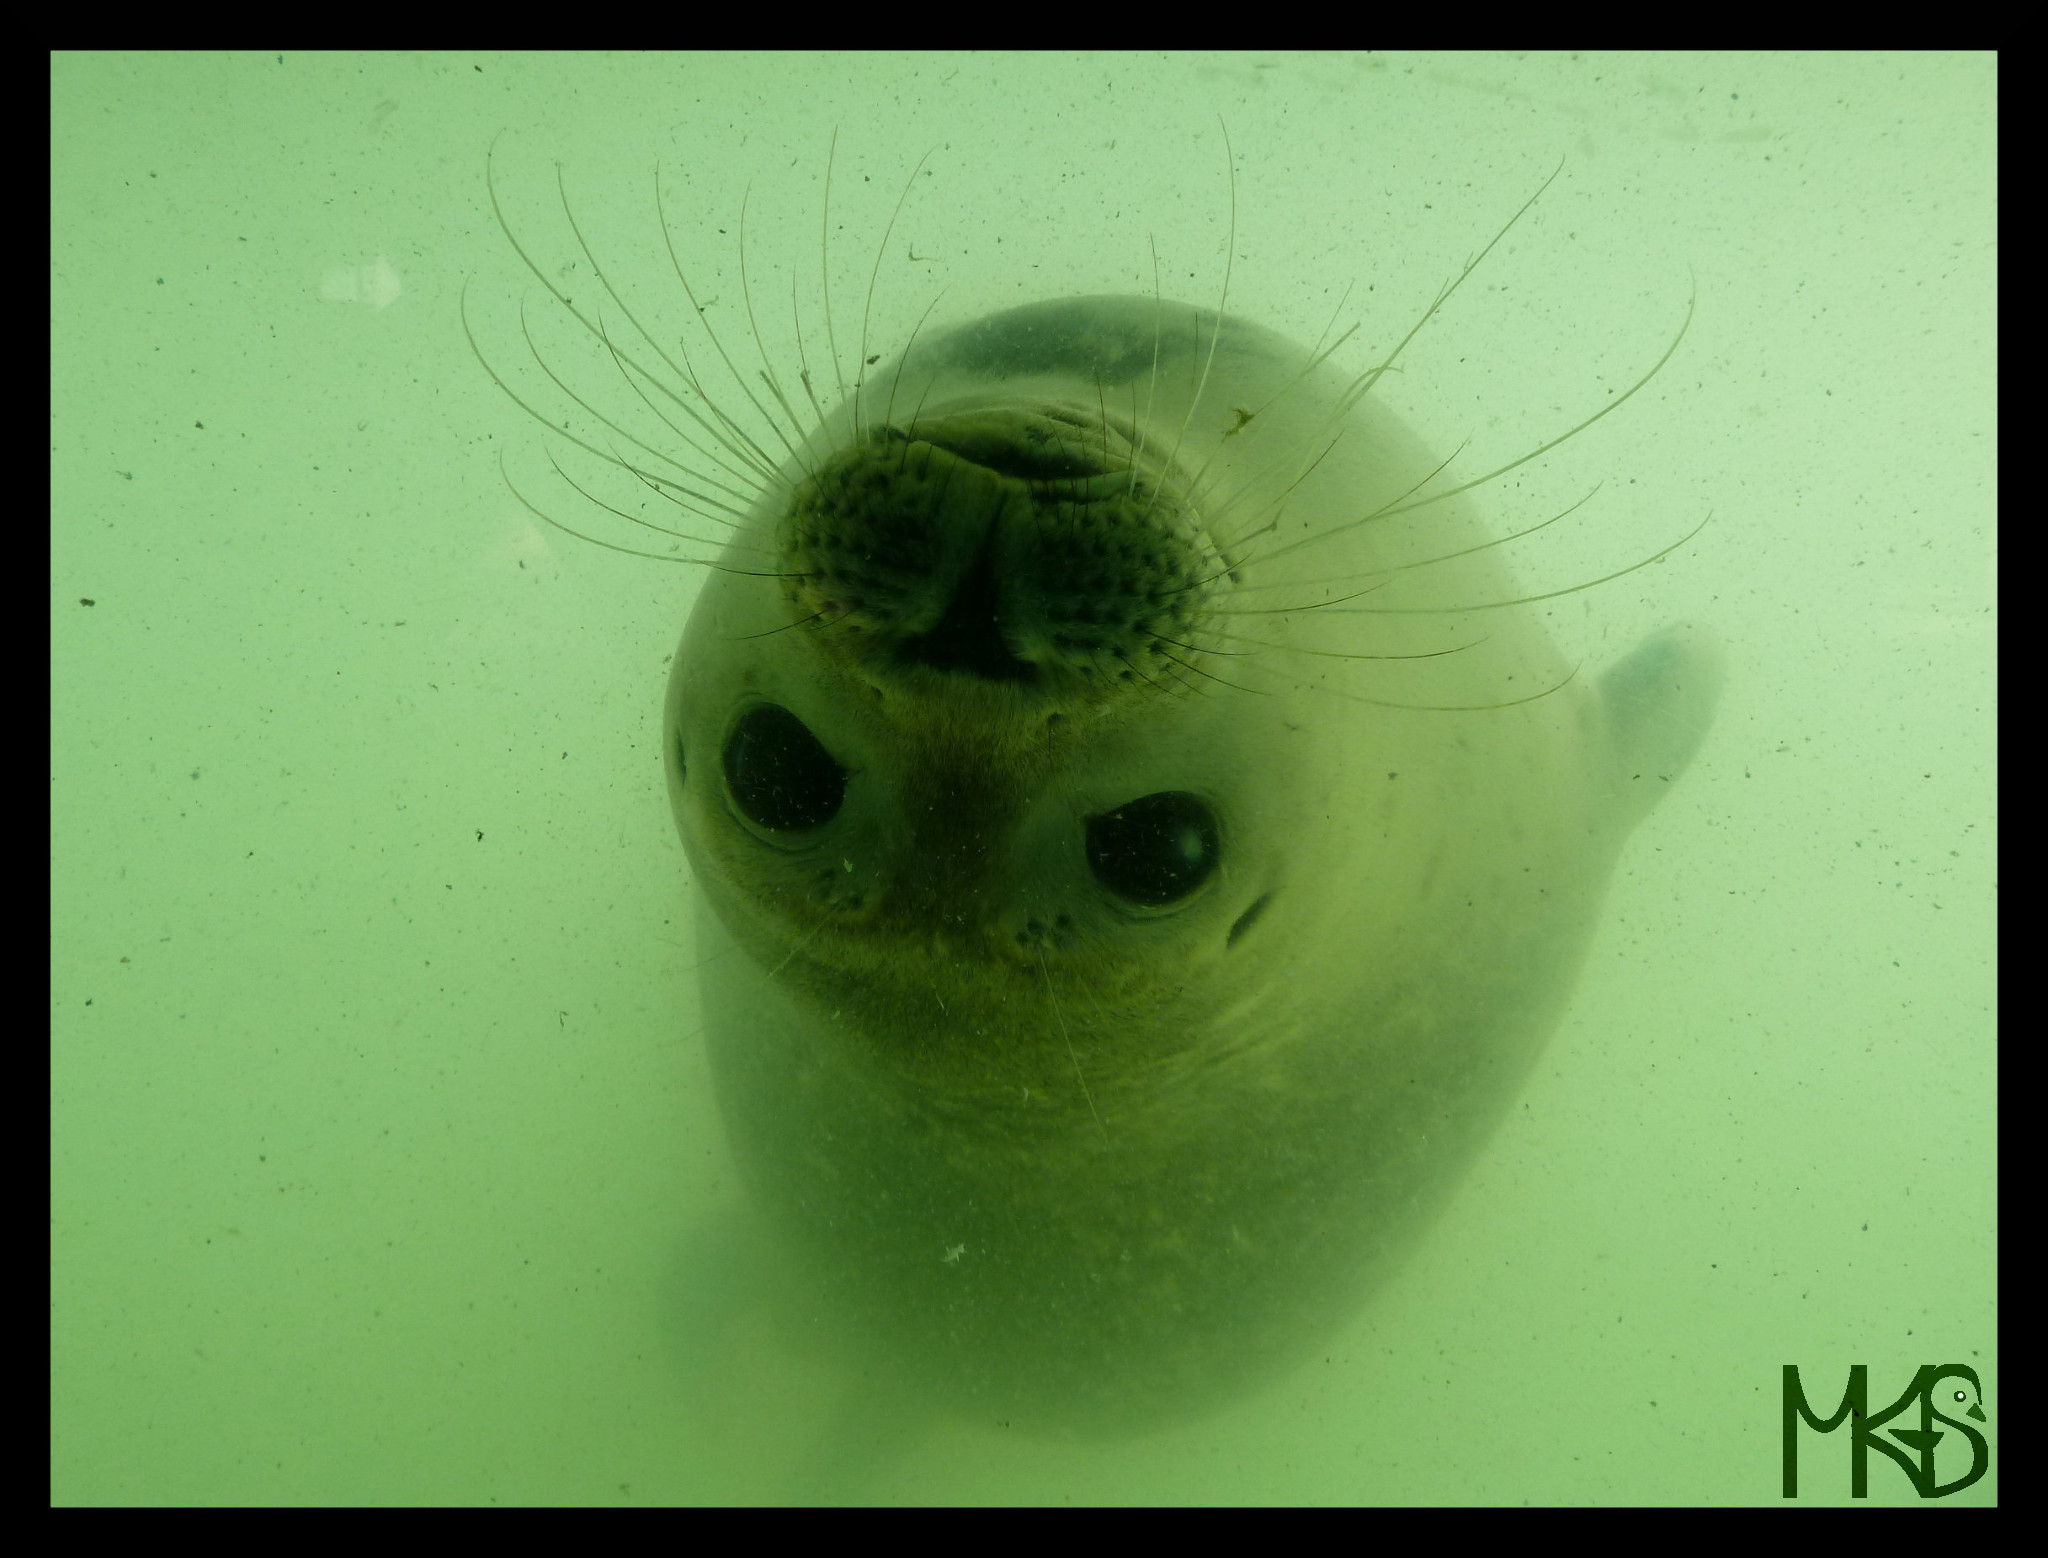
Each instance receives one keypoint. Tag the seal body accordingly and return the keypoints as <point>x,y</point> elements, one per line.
<point>1141,848</point>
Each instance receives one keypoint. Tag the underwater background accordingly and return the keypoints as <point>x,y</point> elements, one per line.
<point>382,1146</point>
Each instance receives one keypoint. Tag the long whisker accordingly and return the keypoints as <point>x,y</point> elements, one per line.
<point>825,263</point>
<point>1519,461</point>
<point>755,460</point>
<point>669,489</point>
<point>1523,600</point>
<point>635,380</point>
<point>1366,381</point>
<point>592,498</point>
<point>1216,324</point>
<point>546,518</point>
<point>1386,576</point>
<point>711,333</point>
<point>860,368</point>
<point>1052,996</point>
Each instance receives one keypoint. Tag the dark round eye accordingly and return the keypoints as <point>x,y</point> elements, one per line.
<point>779,774</point>
<point>1155,850</point>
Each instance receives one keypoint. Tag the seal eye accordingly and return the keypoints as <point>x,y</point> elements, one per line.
<point>779,775</point>
<point>1155,850</point>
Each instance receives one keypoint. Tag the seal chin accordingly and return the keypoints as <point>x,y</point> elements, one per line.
<point>1023,544</point>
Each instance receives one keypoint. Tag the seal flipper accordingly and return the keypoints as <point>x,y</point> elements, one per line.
<point>1659,702</point>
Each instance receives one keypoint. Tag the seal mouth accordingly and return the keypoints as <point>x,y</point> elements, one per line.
<point>1029,546</point>
<point>1043,444</point>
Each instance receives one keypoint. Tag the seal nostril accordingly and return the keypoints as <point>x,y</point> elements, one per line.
<point>969,637</point>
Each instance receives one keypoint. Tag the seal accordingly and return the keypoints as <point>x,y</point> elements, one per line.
<point>1142,835</point>
<point>1143,840</point>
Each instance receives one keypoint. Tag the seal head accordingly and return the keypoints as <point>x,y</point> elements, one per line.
<point>1141,848</point>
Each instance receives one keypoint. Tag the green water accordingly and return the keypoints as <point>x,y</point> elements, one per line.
<point>384,1165</point>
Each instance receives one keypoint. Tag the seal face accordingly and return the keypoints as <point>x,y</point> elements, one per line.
<point>1142,844</point>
